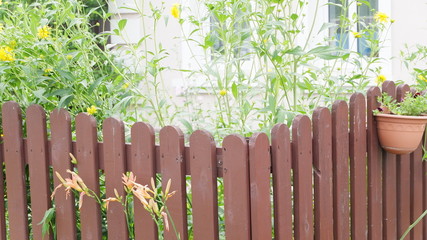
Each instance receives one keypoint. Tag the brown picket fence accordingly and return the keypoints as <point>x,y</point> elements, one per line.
<point>323,178</point>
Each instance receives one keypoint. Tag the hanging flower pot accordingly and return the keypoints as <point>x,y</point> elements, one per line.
<point>400,134</point>
<point>401,124</point>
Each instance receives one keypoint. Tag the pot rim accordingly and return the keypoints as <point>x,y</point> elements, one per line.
<point>386,115</point>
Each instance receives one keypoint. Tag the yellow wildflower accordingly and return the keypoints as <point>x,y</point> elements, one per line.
<point>91,110</point>
<point>357,34</point>
<point>6,54</point>
<point>381,17</point>
<point>48,70</point>
<point>381,78</point>
<point>175,10</point>
<point>12,44</point>
<point>223,92</point>
<point>43,32</point>
<point>125,85</point>
<point>422,78</point>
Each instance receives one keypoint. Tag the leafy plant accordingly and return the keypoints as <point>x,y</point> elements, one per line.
<point>410,105</point>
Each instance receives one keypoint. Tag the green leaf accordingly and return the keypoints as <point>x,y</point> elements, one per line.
<point>65,101</point>
<point>295,51</point>
<point>95,84</point>
<point>47,218</point>
<point>234,90</point>
<point>187,125</point>
<point>122,24</point>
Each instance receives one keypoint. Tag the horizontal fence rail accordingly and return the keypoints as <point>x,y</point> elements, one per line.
<point>325,177</point>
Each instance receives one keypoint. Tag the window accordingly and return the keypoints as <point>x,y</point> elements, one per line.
<point>340,34</point>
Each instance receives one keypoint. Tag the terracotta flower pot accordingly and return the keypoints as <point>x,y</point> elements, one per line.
<point>400,134</point>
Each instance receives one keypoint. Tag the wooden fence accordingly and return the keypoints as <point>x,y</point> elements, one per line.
<point>331,181</point>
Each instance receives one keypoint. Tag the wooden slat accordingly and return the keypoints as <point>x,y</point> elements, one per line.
<point>403,182</point>
<point>302,166</point>
<point>115,166</point>
<point>15,171</point>
<point>204,185</point>
<point>143,165</point>
<point>424,169</point>
<point>60,125</point>
<point>173,167</point>
<point>38,161</point>
<point>88,167</point>
<point>281,153</point>
<point>259,178</point>
<point>2,193</point>
<point>417,192</point>
<point>341,170</point>
<point>236,188</point>
<point>323,185</point>
<point>389,180</point>
<point>358,167</point>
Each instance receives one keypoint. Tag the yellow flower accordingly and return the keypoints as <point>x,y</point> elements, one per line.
<point>357,34</point>
<point>48,70</point>
<point>125,85</point>
<point>380,79</point>
<point>381,17</point>
<point>12,44</point>
<point>6,54</point>
<point>69,57</point>
<point>91,110</point>
<point>422,78</point>
<point>175,10</point>
<point>43,32</point>
<point>223,92</point>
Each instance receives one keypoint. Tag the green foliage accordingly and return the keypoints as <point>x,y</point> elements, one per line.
<point>410,105</point>
<point>51,57</point>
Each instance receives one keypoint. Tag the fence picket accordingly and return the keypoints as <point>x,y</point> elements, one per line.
<point>2,193</point>
<point>15,171</point>
<point>389,180</point>
<point>87,164</point>
<point>236,188</point>
<point>38,163</point>
<point>259,181</point>
<point>341,174</point>
<point>173,168</point>
<point>403,181</point>
<point>281,153</point>
<point>204,185</point>
<point>424,169</point>
<point>322,163</point>
<point>143,165</point>
<point>61,147</point>
<point>416,191</point>
<point>115,166</point>
<point>358,167</point>
<point>303,175</point>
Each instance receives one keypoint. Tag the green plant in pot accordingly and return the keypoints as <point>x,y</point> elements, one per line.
<point>401,124</point>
